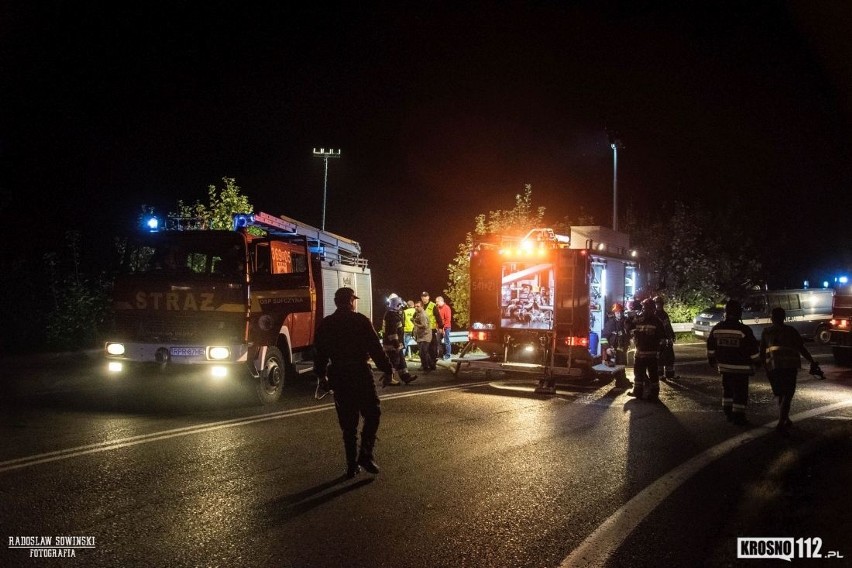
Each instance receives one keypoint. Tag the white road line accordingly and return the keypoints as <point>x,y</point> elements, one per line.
<point>67,453</point>
<point>596,549</point>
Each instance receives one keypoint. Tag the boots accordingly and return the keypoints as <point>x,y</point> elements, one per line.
<point>408,377</point>
<point>366,459</point>
<point>389,380</point>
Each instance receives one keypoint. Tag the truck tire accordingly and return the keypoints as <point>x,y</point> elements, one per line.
<point>822,335</point>
<point>842,356</point>
<point>270,384</point>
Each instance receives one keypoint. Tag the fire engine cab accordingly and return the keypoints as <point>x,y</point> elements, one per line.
<point>231,302</point>
<point>538,304</point>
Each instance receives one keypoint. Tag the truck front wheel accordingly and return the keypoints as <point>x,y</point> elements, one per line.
<point>270,384</point>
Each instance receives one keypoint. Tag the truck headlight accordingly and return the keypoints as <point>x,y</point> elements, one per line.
<point>218,353</point>
<point>115,348</point>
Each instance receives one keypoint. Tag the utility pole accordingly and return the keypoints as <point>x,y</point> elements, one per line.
<point>325,155</point>
<point>615,144</point>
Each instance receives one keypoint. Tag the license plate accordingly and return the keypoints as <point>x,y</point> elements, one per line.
<point>186,351</point>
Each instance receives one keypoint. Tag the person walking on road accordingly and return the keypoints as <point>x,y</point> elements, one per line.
<point>734,351</point>
<point>780,349</point>
<point>347,340</point>
<point>392,341</point>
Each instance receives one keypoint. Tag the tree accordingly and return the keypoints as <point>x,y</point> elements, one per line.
<point>223,204</point>
<point>693,259</point>
<point>516,221</point>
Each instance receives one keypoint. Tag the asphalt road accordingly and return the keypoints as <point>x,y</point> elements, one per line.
<point>476,471</point>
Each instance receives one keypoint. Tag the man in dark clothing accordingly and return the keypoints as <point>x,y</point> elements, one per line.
<point>392,341</point>
<point>616,336</point>
<point>734,351</point>
<point>435,322</point>
<point>647,333</point>
<point>667,356</point>
<point>780,348</point>
<point>347,339</point>
<point>618,340</point>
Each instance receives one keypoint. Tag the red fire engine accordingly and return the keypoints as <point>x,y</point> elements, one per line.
<point>230,301</point>
<point>538,304</point>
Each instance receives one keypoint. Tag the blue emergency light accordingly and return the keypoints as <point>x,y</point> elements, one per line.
<point>152,224</point>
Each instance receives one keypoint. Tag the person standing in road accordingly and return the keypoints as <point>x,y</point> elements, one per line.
<point>667,356</point>
<point>446,318</point>
<point>780,349</point>
<point>347,339</point>
<point>647,332</point>
<point>408,327</point>
<point>435,323</point>
<point>423,334</point>
<point>392,338</point>
<point>734,351</point>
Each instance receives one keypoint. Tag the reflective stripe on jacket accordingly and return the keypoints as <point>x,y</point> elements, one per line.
<point>734,348</point>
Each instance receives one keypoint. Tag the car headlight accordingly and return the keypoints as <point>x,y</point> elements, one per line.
<point>218,353</point>
<point>115,348</point>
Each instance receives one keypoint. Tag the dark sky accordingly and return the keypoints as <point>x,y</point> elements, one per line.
<point>441,112</point>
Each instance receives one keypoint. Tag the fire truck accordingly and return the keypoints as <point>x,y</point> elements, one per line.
<point>841,325</point>
<point>538,304</point>
<point>231,303</point>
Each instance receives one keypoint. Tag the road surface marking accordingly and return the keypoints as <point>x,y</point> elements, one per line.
<point>597,548</point>
<point>68,453</point>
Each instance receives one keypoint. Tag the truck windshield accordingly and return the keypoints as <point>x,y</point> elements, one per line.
<point>214,253</point>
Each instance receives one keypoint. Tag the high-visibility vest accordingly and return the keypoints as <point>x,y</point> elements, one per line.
<point>408,320</point>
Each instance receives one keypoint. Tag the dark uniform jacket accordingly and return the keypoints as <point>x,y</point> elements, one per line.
<point>615,332</point>
<point>732,346</point>
<point>668,330</point>
<point>347,339</point>
<point>647,333</point>
<point>780,347</point>
<point>392,325</point>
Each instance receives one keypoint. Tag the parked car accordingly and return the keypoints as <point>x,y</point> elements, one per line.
<point>809,311</point>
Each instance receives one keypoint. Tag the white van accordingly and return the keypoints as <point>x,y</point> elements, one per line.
<point>809,311</point>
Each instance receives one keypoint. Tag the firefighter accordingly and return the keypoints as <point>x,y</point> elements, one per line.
<point>393,337</point>
<point>780,349</point>
<point>616,336</point>
<point>347,339</point>
<point>734,351</point>
<point>618,340</point>
<point>667,356</point>
<point>647,330</point>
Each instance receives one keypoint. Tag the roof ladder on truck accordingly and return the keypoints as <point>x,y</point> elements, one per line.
<point>330,246</point>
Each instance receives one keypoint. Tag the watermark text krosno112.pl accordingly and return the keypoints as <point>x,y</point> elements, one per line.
<point>784,548</point>
<point>51,546</point>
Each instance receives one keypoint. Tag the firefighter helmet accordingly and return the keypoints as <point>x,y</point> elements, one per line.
<point>617,308</point>
<point>648,305</point>
<point>660,301</point>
